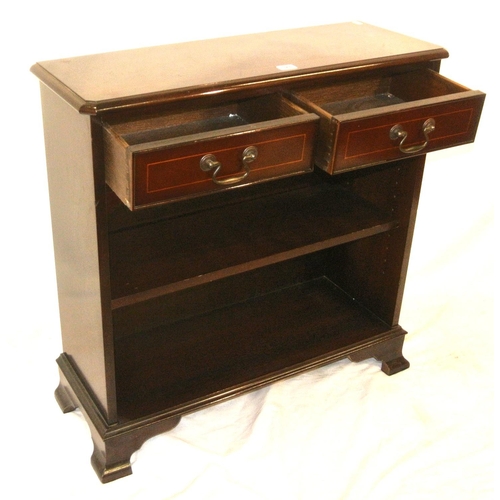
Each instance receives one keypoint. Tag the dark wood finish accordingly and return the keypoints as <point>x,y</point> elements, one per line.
<point>357,116</point>
<point>157,159</point>
<point>113,444</point>
<point>147,76</point>
<point>211,291</point>
<point>284,331</point>
<point>77,203</point>
<point>229,240</point>
<point>373,270</point>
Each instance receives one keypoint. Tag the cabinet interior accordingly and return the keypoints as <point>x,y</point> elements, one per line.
<point>254,294</point>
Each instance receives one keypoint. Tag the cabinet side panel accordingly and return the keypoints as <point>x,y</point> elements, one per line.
<point>373,270</point>
<point>75,210</point>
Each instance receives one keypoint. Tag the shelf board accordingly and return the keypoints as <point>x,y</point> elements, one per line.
<point>191,363</point>
<point>229,240</point>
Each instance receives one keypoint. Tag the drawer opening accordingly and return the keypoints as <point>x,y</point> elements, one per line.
<point>223,119</point>
<point>206,119</point>
<point>359,103</point>
<point>376,92</point>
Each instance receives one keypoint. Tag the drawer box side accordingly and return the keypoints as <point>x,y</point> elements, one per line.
<point>115,155</point>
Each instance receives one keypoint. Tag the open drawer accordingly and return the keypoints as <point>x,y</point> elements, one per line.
<point>382,118</point>
<point>176,155</point>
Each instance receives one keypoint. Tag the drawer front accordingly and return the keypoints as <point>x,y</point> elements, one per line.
<point>204,166</point>
<point>399,134</point>
<point>384,117</point>
<point>193,149</point>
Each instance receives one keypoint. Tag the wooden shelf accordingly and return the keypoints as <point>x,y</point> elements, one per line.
<point>238,347</point>
<point>162,257</point>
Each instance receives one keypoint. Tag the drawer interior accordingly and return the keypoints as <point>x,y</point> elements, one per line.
<point>172,124</point>
<point>376,91</point>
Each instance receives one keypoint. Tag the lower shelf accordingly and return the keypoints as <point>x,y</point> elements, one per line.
<point>183,366</point>
<point>115,442</point>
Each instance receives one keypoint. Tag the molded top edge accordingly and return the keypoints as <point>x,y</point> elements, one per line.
<point>130,78</point>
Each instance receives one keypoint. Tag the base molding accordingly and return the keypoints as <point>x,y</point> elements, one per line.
<point>389,352</point>
<point>115,443</point>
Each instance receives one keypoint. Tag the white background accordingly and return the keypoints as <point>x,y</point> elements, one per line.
<point>346,431</point>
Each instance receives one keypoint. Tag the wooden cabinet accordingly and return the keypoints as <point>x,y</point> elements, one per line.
<point>232,212</point>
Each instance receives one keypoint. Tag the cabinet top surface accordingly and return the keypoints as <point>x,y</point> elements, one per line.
<point>136,77</point>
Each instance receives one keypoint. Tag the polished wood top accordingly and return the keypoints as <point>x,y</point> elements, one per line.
<point>137,77</point>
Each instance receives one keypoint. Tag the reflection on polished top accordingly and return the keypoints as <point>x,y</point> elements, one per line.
<point>102,81</point>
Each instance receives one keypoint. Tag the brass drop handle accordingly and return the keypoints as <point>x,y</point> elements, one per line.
<point>210,162</point>
<point>398,132</point>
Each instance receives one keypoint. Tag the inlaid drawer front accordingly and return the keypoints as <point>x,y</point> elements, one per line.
<point>381,119</point>
<point>175,156</point>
